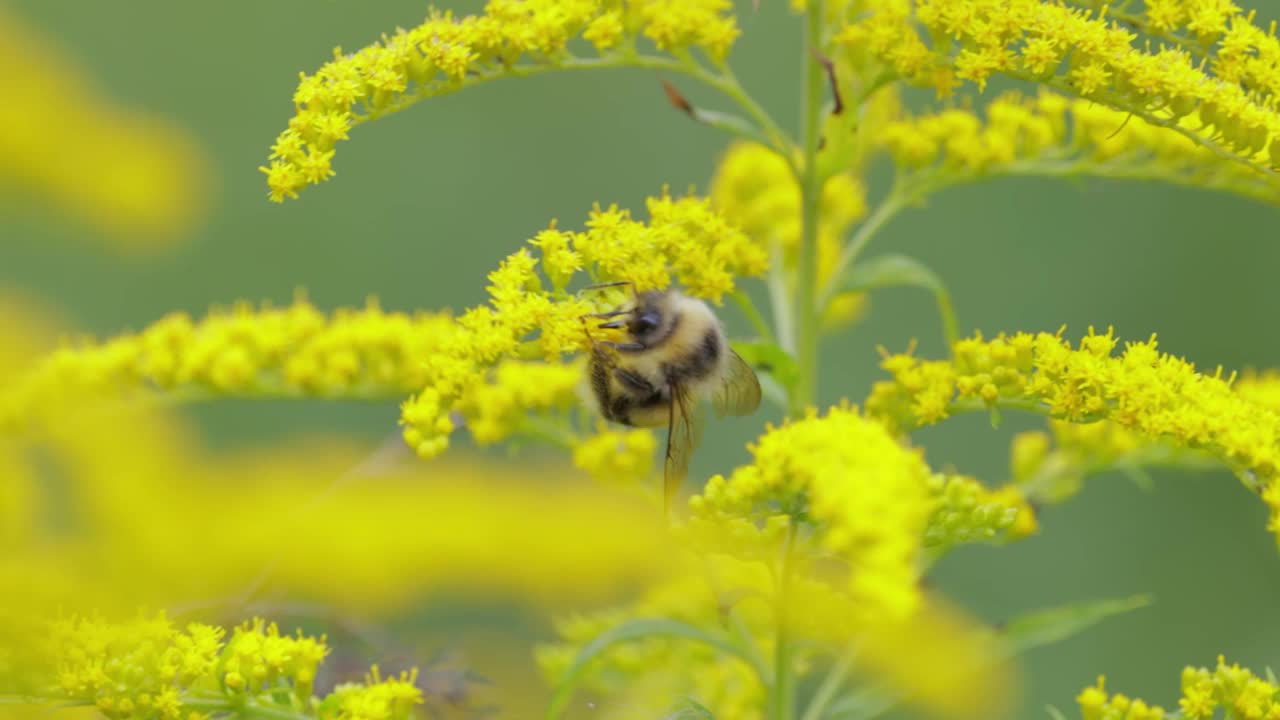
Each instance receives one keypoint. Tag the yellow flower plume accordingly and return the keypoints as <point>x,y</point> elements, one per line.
<point>868,495</point>
<point>1053,135</point>
<point>291,351</point>
<point>1154,394</point>
<point>481,377</point>
<point>445,54</point>
<point>148,669</point>
<point>1229,105</point>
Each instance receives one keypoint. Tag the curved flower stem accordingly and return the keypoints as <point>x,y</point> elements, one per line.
<point>806,289</point>
<point>724,81</point>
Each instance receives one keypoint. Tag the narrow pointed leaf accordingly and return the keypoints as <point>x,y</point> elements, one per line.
<point>1045,627</point>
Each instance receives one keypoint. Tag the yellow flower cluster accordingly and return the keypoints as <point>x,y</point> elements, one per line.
<point>131,670</point>
<point>1234,689</point>
<point>684,240</point>
<point>1053,135</point>
<point>1074,50</point>
<point>377,698</point>
<point>755,188</point>
<point>146,669</point>
<point>445,54</point>
<point>968,512</point>
<point>867,494</point>
<point>1096,704</point>
<point>291,351</point>
<point>258,659</point>
<point>617,456</point>
<point>1156,395</point>
<point>135,177</point>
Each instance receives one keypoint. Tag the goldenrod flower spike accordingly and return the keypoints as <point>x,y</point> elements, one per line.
<point>1052,135</point>
<point>868,495</point>
<point>1156,395</point>
<point>243,351</point>
<point>1227,105</point>
<point>482,377</point>
<point>445,54</point>
<point>147,668</point>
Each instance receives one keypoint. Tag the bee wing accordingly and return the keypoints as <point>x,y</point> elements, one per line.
<point>684,433</point>
<point>739,392</point>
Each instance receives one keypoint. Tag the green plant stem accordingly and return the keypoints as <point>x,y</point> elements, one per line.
<point>806,289</point>
<point>830,685</point>
<point>242,709</point>
<point>782,698</point>
<point>757,320</point>
<point>897,200</point>
<point>780,299</point>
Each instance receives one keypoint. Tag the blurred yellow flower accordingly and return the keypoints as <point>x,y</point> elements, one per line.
<point>327,522</point>
<point>755,189</point>
<point>137,179</point>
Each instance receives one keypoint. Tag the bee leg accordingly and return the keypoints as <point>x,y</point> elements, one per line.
<point>625,346</point>
<point>611,313</point>
<point>634,381</point>
<point>587,330</point>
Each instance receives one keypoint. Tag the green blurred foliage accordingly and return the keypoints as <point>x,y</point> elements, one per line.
<point>426,202</point>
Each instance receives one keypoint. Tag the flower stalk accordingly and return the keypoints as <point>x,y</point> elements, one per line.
<point>806,290</point>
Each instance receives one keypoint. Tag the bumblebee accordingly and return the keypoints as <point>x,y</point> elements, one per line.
<point>674,354</point>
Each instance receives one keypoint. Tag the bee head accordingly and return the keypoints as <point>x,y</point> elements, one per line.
<point>648,319</point>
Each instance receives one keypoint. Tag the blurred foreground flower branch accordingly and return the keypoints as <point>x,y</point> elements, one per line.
<point>791,587</point>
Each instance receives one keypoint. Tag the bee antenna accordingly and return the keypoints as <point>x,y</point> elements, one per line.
<point>602,286</point>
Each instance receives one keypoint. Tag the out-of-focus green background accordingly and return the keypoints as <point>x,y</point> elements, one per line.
<point>426,202</point>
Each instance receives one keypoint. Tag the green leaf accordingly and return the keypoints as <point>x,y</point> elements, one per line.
<point>893,271</point>
<point>770,358</point>
<point>1045,627</point>
<point>1138,475</point>
<point>690,709</point>
<point>639,630</point>
<point>1054,713</point>
<point>862,704</point>
<point>904,271</point>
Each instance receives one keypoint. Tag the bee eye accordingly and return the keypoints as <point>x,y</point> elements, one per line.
<point>648,321</point>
